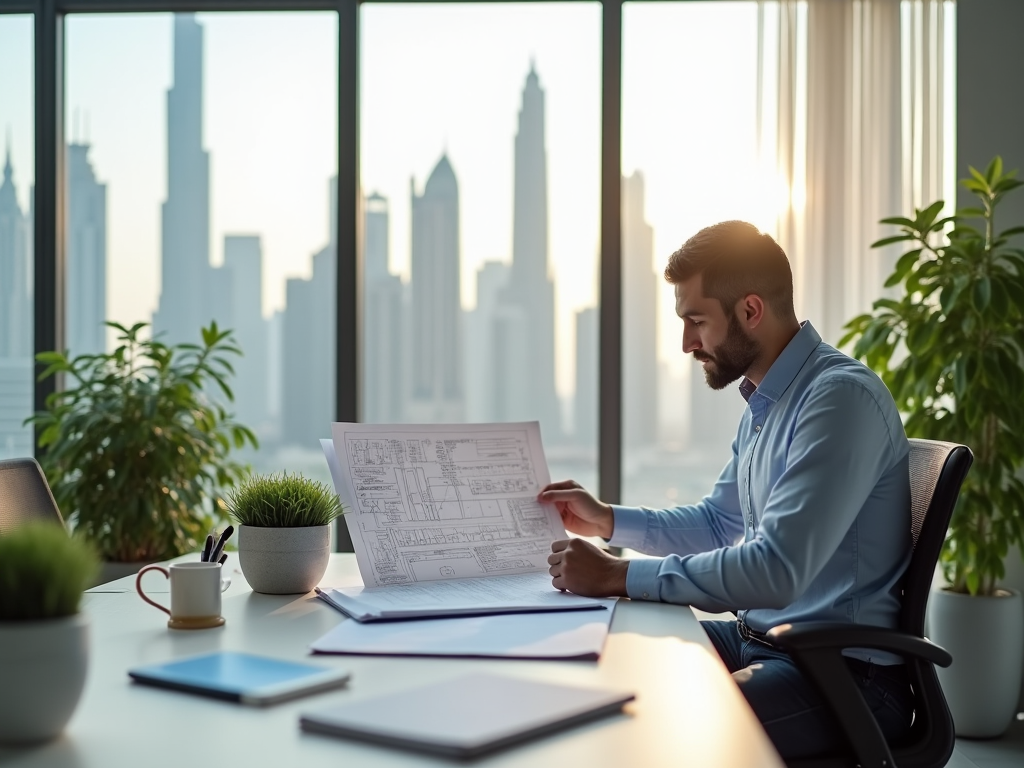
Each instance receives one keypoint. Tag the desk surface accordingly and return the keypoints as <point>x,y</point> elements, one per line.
<point>687,711</point>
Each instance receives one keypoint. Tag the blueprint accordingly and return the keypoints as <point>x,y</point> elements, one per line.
<point>451,501</point>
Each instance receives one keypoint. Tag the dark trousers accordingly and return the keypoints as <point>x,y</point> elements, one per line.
<point>796,718</point>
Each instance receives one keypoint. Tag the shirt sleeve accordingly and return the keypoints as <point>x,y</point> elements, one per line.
<point>840,447</point>
<point>715,521</point>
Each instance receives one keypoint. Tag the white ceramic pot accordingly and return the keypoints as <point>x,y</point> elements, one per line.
<point>985,636</point>
<point>42,666</point>
<point>283,561</point>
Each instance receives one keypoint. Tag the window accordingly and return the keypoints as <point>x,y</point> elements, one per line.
<point>689,159</point>
<point>202,151</point>
<point>480,166</point>
<point>17,166</point>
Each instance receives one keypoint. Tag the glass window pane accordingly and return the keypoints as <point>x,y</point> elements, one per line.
<point>202,151</point>
<point>480,162</point>
<point>689,151</point>
<point>17,125</point>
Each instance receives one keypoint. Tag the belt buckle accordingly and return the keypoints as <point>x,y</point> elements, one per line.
<point>749,635</point>
<point>744,629</point>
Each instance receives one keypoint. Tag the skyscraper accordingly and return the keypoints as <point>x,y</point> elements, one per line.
<point>639,320</point>
<point>240,308</point>
<point>384,320</point>
<point>481,358</point>
<point>185,246</point>
<point>585,406</point>
<point>529,297</point>
<point>308,347</point>
<point>15,320</point>
<point>86,256</point>
<point>436,312</point>
<point>714,417</point>
<point>15,271</point>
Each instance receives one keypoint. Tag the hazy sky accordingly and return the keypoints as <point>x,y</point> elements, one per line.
<point>434,78</point>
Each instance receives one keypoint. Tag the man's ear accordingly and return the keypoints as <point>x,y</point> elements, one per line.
<point>752,309</point>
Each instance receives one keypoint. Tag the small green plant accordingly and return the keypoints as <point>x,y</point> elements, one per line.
<point>951,351</point>
<point>43,573</point>
<point>283,501</point>
<point>137,442</point>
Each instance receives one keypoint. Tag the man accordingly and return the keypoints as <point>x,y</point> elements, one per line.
<point>809,520</point>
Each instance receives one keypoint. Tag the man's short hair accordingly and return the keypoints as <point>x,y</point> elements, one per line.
<point>736,259</point>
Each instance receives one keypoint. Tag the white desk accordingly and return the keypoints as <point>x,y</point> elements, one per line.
<point>687,711</point>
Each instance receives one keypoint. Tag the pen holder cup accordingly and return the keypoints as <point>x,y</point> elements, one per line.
<point>195,594</point>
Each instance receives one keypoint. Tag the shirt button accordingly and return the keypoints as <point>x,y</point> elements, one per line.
<point>757,428</point>
<point>646,596</point>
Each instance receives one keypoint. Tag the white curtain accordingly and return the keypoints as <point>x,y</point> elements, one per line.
<point>851,105</point>
<point>927,125</point>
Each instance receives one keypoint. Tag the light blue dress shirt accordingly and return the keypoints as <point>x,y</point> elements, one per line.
<point>809,520</point>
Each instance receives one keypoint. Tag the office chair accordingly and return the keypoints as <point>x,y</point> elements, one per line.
<point>25,495</point>
<point>937,471</point>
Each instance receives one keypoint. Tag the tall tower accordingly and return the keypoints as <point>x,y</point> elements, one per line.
<point>15,301</point>
<point>639,320</point>
<point>240,282</point>
<point>436,376</point>
<point>185,254</point>
<point>529,298</point>
<point>15,320</point>
<point>308,346</point>
<point>585,405</point>
<point>86,256</point>
<point>383,326</point>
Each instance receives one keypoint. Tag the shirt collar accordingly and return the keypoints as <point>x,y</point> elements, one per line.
<point>786,365</point>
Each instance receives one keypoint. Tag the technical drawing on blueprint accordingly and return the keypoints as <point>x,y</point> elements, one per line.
<point>448,501</point>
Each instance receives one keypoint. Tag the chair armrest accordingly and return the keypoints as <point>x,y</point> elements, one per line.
<point>821,635</point>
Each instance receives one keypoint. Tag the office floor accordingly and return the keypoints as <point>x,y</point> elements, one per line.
<point>1004,752</point>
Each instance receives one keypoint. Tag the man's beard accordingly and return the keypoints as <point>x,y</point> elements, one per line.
<point>733,357</point>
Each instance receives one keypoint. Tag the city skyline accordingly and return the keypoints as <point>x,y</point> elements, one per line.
<point>517,322</point>
<point>271,149</point>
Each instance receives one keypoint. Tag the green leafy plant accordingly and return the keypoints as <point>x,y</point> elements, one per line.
<point>951,351</point>
<point>283,501</point>
<point>137,442</point>
<point>43,573</point>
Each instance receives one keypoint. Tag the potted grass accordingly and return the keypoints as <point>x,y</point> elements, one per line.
<point>137,444</point>
<point>951,351</point>
<point>44,646</point>
<point>284,531</point>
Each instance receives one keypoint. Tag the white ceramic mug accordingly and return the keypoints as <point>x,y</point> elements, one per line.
<point>195,594</point>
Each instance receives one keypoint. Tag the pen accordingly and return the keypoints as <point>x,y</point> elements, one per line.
<point>224,558</point>
<point>215,554</point>
<point>208,548</point>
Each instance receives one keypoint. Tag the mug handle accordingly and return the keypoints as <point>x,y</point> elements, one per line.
<point>225,583</point>
<point>138,586</point>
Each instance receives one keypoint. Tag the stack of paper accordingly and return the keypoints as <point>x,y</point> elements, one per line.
<point>445,521</point>
<point>562,635</point>
<point>522,593</point>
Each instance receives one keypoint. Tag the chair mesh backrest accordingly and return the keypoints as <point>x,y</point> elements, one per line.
<point>25,495</point>
<point>937,470</point>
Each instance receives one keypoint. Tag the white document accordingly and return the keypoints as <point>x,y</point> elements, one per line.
<point>562,635</point>
<point>516,593</point>
<point>431,502</point>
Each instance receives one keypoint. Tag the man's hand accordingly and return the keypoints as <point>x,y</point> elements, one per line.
<point>581,513</point>
<point>579,567</point>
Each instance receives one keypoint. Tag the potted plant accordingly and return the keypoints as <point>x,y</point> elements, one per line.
<point>951,351</point>
<point>44,649</point>
<point>284,531</point>
<point>137,444</point>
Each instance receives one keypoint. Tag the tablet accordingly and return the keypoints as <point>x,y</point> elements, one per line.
<point>467,716</point>
<point>241,677</point>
